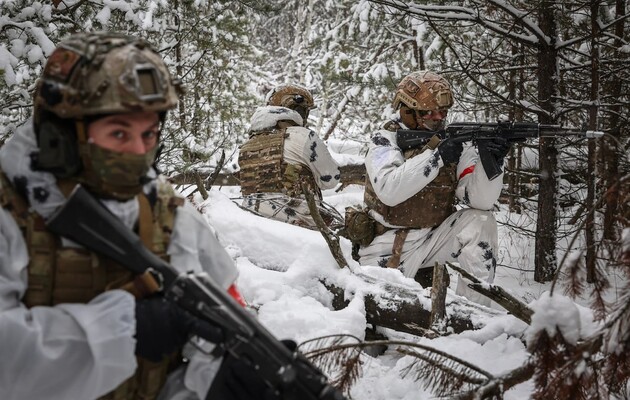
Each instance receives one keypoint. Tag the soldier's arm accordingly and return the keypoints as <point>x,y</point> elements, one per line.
<point>303,146</point>
<point>473,187</point>
<point>324,167</point>
<point>395,180</point>
<point>194,247</point>
<point>71,351</point>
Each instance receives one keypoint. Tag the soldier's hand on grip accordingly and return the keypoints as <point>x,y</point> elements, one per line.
<point>238,380</point>
<point>162,327</point>
<point>499,147</point>
<point>450,151</point>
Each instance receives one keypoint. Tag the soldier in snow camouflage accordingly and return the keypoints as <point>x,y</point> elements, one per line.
<point>410,196</point>
<point>98,110</point>
<point>282,155</point>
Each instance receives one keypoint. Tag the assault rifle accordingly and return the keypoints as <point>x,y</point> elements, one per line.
<point>480,133</point>
<point>84,220</point>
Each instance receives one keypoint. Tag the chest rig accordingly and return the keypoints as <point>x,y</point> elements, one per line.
<point>263,169</point>
<point>58,274</point>
<point>427,208</point>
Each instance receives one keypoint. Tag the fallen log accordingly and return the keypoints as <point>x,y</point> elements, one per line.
<point>402,309</point>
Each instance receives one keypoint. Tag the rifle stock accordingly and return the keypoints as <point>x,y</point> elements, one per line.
<point>478,133</point>
<point>85,221</point>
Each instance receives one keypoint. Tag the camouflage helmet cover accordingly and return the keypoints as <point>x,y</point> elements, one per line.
<point>290,96</point>
<point>104,73</point>
<point>425,91</point>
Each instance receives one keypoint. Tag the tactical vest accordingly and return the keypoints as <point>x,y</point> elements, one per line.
<point>427,208</point>
<point>263,169</point>
<point>59,274</point>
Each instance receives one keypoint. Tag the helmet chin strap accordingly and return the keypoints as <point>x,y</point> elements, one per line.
<point>81,130</point>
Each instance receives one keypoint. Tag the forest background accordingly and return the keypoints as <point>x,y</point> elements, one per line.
<point>553,62</point>
<point>543,61</point>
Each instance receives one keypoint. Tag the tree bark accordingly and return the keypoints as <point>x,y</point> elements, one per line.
<point>200,186</point>
<point>610,150</point>
<point>546,228</point>
<point>438,298</point>
<point>589,228</point>
<point>516,92</point>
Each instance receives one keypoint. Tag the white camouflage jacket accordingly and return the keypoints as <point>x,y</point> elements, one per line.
<point>395,179</point>
<point>82,351</point>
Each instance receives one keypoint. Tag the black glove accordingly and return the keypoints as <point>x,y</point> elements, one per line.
<point>162,327</point>
<point>499,148</point>
<point>450,151</point>
<point>237,380</point>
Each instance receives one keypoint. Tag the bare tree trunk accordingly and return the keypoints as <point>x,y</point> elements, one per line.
<point>418,53</point>
<point>546,229</point>
<point>337,117</point>
<point>592,150</point>
<point>609,150</point>
<point>438,298</point>
<point>516,114</point>
<point>178,57</point>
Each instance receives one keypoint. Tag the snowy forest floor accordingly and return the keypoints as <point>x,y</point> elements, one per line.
<point>282,268</point>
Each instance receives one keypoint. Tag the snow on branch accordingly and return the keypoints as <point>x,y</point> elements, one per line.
<point>465,14</point>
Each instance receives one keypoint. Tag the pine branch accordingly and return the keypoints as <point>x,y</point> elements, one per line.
<point>496,386</point>
<point>341,362</point>
<point>448,371</point>
<point>442,373</point>
<point>513,305</point>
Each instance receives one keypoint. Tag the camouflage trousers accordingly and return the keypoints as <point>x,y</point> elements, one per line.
<point>467,237</point>
<point>291,210</point>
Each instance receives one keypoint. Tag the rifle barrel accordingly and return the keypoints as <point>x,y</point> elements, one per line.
<point>557,130</point>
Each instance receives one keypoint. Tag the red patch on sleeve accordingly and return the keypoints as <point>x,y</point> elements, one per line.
<point>236,295</point>
<point>467,171</point>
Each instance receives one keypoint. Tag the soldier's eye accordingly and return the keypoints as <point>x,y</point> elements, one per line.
<point>118,135</point>
<point>149,135</point>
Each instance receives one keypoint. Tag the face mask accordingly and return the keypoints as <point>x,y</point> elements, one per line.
<point>113,174</point>
<point>433,124</point>
<point>426,119</point>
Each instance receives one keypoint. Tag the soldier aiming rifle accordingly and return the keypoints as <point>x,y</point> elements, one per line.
<point>483,134</point>
<point>416,169</point>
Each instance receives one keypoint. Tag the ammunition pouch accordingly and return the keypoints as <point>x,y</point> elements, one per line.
<point>360,227</point>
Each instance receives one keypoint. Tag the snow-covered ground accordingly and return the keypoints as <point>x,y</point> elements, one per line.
<point>281,272</point>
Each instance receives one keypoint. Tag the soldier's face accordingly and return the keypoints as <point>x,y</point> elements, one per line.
<point>135,133</point>
<point>433,120</point>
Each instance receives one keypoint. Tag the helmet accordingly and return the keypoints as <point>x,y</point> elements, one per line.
<point>425,91</point>
<point>87,76</point>
<point>103,73</point>
<point>292,96</point>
